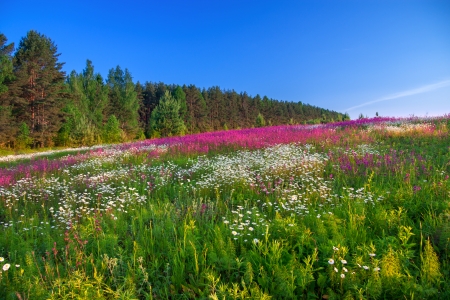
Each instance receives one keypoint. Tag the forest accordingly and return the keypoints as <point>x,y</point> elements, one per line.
<point>42,106</point>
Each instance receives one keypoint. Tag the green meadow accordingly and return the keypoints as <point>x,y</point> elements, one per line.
<point>352,210</point>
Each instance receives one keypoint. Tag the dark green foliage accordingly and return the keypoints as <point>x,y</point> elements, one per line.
<point>196,110</point>
<point>112,132</point>
<point>7,128</point>
<point>180,96</point>
<point>37,93</point>
<point>165,119</point>
<point>260,122</point>
<point>141,111</point>
<point>32,90</point>
<point>86,110</point>
<point>63,136</point>
<point>123,101</point>
<point>90,92</point>
<point>23,139</point>
<point>6,67</point>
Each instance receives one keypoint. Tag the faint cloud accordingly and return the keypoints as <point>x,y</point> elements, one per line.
<point>420,90</point>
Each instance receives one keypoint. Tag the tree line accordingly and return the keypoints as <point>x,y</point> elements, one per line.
<point>41,106</point>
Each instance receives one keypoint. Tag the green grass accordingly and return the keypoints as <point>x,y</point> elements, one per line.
<point>133,227</point>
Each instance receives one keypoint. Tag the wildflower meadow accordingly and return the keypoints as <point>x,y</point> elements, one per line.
<point>350,210</point>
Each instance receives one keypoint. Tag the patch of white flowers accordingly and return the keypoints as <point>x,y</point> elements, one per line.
<point>402,127</point>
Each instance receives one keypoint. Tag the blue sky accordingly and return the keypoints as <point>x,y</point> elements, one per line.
<point>390,57</point>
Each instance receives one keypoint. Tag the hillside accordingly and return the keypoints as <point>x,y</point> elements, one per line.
<point>41,107</point>
<point>355,209</point>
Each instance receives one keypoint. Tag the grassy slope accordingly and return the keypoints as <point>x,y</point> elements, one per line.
<point>338,220</point>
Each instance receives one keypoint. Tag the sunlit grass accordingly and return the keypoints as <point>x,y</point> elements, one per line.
<point>357,210</point>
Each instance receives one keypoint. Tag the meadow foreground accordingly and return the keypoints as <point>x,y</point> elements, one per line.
<point>351,210</point>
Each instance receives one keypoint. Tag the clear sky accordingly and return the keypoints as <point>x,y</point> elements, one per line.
<point>390,57</point>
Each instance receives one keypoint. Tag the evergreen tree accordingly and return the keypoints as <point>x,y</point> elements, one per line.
<point>32,91</point>
<point>180,97</point>
<point>86,111</point>
<point>149,102</point>
<point>38,90</point>
<point>78,128</point>
<point>139,89</point>
<point>6,67</point>
<point>23,139</point>
<point>196,112</point>
<point>260,122</point>
<point>111,131</point>
<point>216,107</point>
<point>7,128</point>
<point>142,122</point>
<point>255,106</point>
<point>205,125</point>
<point>94,94</point>
<point>123,101</point>
<point>232,104</point>
<point>165,119</point>
<point>245,111</point>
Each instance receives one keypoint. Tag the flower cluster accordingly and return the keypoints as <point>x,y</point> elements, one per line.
<point>246,224</point>
<point>5,266</point>
<point>341,265</point>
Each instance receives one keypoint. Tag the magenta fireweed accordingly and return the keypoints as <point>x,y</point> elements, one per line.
<point>392,161</point>
<point>356,210</point>
<point>256,138</point>
<point>333,134</point>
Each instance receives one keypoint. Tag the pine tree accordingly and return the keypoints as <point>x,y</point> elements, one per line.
<point>39,87</point>
<point>260,122</point>
<point>123,99</point>
<point>180,96</point>
<point>23,139</point>
<point>245,111</point>
<point>217,108</point>
<point>149,102</point>
<point>232,104</point>
<point>165,119</point>
<point>87,108</point>
<point>255,107</point>
<point>7,128</point>
<point>95,94</point>
<point>141,111</point>
<point>6,67</point>
<point>111,131</point>
<point>196,109</point>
